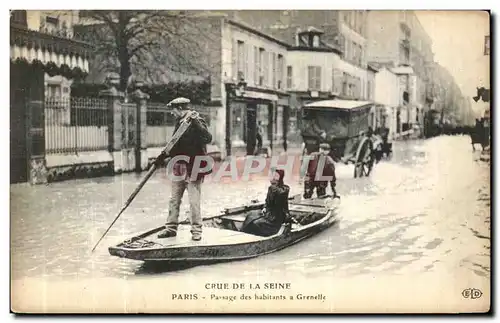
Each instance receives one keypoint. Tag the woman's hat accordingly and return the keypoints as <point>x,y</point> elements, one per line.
<point>281,173</point>
<point>324,146</point>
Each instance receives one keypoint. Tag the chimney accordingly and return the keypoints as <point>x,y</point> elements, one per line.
<point>297,37</point>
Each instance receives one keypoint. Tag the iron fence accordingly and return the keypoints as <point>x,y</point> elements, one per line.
<point>75,125</point>
<point>161,122</point>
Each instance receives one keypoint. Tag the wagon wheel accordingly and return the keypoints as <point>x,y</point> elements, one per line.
<point>364,158</point>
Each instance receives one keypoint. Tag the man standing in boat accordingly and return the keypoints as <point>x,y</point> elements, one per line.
<point>192,144</point>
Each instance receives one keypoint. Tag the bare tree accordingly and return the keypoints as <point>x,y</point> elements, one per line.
<point>148,44</point>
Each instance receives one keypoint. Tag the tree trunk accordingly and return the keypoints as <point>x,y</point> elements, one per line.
<point>124,72</point>
<point>122,43</point>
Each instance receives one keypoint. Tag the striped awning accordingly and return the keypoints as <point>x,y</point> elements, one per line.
<point>32,45</point>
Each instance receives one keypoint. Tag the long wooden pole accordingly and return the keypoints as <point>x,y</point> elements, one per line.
<point>177,135</point>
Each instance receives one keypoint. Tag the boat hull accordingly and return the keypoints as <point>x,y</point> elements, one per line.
<point>218,244</point>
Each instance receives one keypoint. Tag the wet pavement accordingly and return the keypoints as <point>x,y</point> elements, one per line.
<point>425,209</point>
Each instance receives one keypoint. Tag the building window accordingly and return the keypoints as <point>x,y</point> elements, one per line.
<point>289,77</point>
<point>360,22</point>
<point>337,81</point>
<point>263,116</point>
<point>344,84</point>
<point>52,24</point>
<point>354,53</point>
<point>314,77</point>
<point>333,80</point>
<point>256,70</point>
<point>351,90</point>
<point>406,97</point>
<point>238,122</point>
<point>54,91</point>
<point>369,90</point>
<point>349,51</point>
<point>262,66</point>
<point>358,88</point>
<point>345,17</point>
<point>278,123</point>
<point>273,69</point>
<point>281,65</point>
<point>404,55</point>
<point>360,55</point>
<point>241,61</point>
<point>19,17</point>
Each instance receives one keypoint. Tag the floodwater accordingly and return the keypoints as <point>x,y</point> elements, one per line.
<point>425,209</point>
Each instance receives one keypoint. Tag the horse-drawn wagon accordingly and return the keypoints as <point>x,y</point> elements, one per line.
<point>345,126</point>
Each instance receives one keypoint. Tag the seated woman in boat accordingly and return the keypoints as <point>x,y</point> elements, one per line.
<point>328,170</point>
<point>268,221</point>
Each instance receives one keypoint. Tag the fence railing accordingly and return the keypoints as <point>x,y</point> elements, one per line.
<point>75,125</point>
<point>161,122</point>
<point>81,124</point>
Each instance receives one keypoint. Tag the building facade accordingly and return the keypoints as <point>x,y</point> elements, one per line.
<point>58,24</point>
<point>398,40</point>
<point>387,97</point>
<point>43,60</point>
<point>259,61</point>
<point>326,54</point>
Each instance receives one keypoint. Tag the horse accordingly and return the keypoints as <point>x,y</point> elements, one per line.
<point>478,135</point>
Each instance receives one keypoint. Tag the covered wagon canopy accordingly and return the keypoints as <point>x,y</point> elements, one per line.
<point>338,118</point>
<point>347,105</point>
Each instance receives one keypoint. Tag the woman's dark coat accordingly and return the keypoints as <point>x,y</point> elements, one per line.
<point>269,222</point>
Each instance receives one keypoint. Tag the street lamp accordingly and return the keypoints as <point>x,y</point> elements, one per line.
<point>232,90</point>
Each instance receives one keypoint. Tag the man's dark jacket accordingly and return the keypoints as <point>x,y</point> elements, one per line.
<point>193,143</point>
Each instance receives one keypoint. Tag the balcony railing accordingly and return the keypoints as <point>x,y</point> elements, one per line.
<point>58,32</point>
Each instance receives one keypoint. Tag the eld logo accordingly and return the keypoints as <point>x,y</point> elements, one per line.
<point>472,293</point>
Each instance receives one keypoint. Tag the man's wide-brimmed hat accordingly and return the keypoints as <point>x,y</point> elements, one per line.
<point>179,101</point>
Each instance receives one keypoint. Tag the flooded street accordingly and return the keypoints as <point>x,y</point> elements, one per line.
<point>426,209</point>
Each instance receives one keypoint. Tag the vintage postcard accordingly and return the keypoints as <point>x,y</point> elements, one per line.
<point>250,161</point>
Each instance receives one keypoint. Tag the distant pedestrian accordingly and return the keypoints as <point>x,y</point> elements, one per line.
<point>258,137</point>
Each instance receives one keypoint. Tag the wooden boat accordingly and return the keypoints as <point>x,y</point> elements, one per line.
<point>222,240</point>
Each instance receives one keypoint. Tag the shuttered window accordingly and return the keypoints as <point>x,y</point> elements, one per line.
<point>337,81</point>
<point>314,77</point>
<point>256,65</point>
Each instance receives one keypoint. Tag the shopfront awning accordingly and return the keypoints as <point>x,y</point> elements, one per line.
<point>31,46</point>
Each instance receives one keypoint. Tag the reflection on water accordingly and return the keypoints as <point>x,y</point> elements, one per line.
<point>425,209</point>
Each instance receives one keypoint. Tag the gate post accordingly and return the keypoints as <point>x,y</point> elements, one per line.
<point>114,123</point>
<point>141,153</point>
<point>38,173</point>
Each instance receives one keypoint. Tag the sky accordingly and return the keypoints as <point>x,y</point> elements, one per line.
<point>458,45</point>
